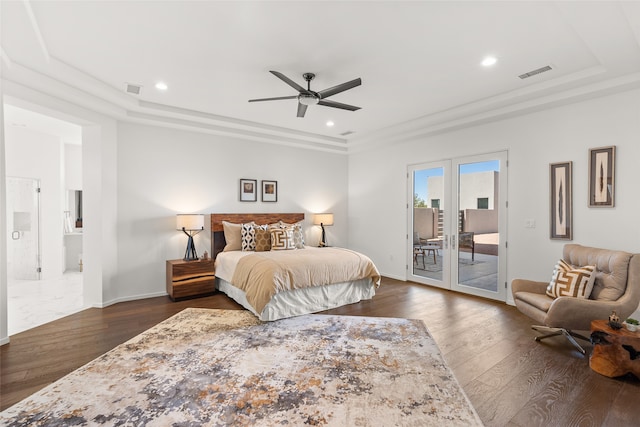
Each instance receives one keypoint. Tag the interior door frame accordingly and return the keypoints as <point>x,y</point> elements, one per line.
<point>450,230</point>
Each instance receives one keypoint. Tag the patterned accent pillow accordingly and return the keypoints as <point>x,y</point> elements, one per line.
<point>263,239</point>
<point>298,235</point>
<point>281,239</point>
<point>249,236</point>
<point>571,281</point>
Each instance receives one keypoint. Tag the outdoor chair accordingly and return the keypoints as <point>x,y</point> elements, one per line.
<point>422,248</point>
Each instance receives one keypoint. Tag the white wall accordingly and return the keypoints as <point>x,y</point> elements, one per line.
<point>378,201</point>
<point>72,167</point>
<point>162,172</point>
<point>36,155</point>
<point>4,337</point>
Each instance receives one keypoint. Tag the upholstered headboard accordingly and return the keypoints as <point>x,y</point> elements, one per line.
<point>217,232</point>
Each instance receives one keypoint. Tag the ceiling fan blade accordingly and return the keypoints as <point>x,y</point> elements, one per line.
<point>335,104</point>
<point>274,99</point>
<point>290,82</point>
<point>339,88</point>
<point>302,109</point>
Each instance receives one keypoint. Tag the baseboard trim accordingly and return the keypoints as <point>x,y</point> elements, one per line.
<point>129,298</point>
<point>393,276</point>
<point>4,341</point>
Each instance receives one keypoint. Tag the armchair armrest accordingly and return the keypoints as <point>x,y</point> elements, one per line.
<point>523,285</point>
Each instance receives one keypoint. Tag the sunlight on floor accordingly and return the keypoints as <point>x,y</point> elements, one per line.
<point>31,303</point>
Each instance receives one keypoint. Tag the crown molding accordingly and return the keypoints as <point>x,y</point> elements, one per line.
<point>95,95</point>
<point>481,112</point>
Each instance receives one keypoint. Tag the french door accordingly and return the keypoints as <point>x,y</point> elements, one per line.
<point>457,224</point>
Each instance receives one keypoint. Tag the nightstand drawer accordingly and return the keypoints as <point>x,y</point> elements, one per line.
<point>188,279</point>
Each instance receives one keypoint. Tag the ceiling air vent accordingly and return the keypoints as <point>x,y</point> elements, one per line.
<point>134,89</point>
<point>349,132</point>
<point>534,72</point>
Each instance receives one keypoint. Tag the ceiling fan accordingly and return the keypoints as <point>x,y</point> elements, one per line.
<point>308,97</point>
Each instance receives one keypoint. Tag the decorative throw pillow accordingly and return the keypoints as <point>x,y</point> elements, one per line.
<point>571,281</point>
<point>249,236</point>
<point>232,236</point>
<point>263,239</point>
<point>298,235</point>
<point>281,239</point>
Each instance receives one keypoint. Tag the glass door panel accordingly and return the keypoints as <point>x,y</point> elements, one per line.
<point>478,231</point>
<point>23,229</point>
<point>428,240</point>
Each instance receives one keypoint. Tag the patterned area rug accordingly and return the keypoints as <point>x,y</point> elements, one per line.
<point>225,367</point>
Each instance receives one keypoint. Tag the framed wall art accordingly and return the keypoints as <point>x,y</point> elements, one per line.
<point>248,190</point>
<point>561,203</point>
<point>602,163</point>
<point>269,191</point>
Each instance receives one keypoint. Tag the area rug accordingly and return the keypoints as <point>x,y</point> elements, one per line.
<point>207,367</point>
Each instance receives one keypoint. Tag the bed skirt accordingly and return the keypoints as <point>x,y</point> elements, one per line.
<point>303,301</point>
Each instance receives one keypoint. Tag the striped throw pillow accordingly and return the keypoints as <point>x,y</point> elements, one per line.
<point>571,281</point>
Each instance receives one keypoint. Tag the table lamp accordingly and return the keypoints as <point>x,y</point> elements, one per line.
<point>190,224</point>
<point>322,220</point>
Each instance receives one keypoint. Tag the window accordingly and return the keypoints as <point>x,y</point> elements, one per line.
<point>483,203</point>
<point>435,203</point>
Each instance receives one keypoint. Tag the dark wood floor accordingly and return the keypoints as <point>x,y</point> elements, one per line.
<point>510,379</point>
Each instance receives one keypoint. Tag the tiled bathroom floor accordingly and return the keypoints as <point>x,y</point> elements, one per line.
<point>31,303</point>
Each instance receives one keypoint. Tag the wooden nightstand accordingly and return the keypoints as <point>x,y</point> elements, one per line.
<point>189,279</point>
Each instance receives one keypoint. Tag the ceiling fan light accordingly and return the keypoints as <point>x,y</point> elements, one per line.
<point>307,99</point>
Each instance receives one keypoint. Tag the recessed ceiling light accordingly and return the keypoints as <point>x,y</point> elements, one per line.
<point>489,61</point>
<point>161,86</point>
<point>330,123</point>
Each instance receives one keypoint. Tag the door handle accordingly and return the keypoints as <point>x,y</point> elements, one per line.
<point>446,241</point>
<point>15,235</point>
<point>453,242</point>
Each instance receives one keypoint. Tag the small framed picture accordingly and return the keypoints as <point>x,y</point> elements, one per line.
<point>602,163</point>
<point>269,191</point>
<point>248,190</point>
<point>561,201</point>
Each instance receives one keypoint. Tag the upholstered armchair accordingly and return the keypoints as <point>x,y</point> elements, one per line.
<point>616,288</point>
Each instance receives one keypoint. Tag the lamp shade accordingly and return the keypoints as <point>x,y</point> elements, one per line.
<point>323,218</point>
<point>190,221</point>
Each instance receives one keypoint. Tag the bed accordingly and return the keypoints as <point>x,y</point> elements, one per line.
<point>275,284</point>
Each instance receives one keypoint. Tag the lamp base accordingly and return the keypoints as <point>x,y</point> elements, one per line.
<point>190,254</point>
<point>322,242</point>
